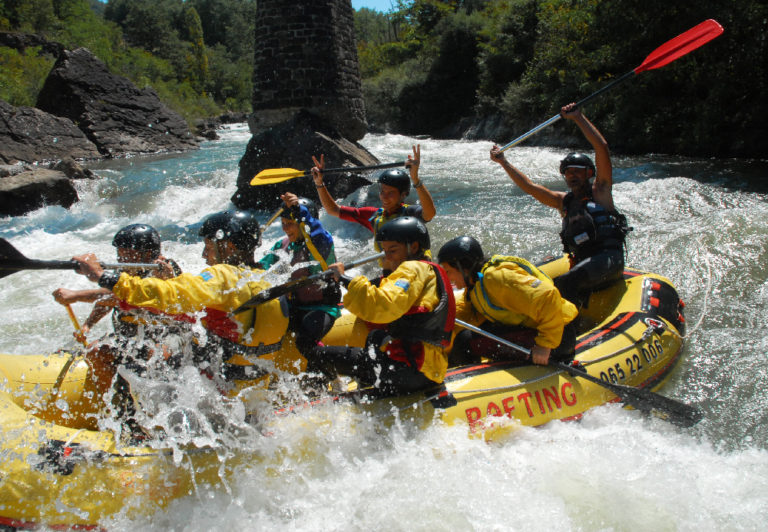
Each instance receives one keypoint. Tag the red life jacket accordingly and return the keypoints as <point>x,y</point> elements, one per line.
<point>421,325</point>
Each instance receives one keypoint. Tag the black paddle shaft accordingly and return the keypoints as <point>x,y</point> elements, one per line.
<point>681,414</point>
<point>676,412</point>
<point>12,261</point>
<point>280,290</point>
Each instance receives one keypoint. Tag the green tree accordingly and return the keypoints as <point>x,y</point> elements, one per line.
<point>199,60</point>
<point>22,75</point>
<point>31,15</point>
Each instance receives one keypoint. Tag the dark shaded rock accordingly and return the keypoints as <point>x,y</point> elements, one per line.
<point>69,167</point>
<point>11,169</point>
<point>32,189</point>
<point>113,113</point>
<point>233,117</point>
<point>30,135</point>
<point>208,133</point>
<point>291,145</point>
<point>207,127</point>
<point>22,41</point>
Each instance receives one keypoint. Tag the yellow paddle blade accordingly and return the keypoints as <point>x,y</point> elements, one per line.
<point>275,175</point>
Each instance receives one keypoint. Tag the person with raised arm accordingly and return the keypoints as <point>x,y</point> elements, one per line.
<point>593,231</point>
<point>312,309</point>
<point>395,185</point>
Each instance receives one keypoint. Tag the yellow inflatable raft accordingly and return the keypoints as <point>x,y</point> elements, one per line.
<point>57,468</point>
<point>630,334</point>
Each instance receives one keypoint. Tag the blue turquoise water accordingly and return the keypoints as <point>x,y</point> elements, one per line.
<point>700,222</point>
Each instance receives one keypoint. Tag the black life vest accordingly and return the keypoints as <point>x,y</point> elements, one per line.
<point>588,227</point>
<point>430,326</point>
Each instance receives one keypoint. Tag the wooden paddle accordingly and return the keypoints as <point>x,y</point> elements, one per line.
<point>79,335</point>
<point>663,55</point>
<point>12,261</point>
<point>278,175</point>
<point>269,222</point>
<point>642,399</point>
<point>280,290</point>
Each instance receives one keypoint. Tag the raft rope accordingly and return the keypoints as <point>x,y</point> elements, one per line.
<point>707,290</point>
<point>649,331</point>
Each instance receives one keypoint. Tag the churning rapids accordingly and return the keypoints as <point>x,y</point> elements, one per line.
<point>702,223</point>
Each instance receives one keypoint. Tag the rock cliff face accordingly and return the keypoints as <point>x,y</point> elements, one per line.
<point>114,114</point>
<point>83,112</point>
<point>28,134</point>
<point>291,145</point>
<point>31,189</point>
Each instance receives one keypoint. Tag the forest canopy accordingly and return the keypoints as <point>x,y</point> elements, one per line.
<point>445,67</point>
<point>197,54</point>
<point>432,67</point>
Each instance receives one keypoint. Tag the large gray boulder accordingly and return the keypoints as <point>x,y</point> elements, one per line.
<point>112,112</point>
<point>31,135</point>
<point>290,145</point>
<point>31,189</point>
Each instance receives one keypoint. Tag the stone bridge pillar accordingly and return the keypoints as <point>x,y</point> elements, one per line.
<point>307,94</point>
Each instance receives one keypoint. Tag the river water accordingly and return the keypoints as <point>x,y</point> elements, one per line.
<point>700,222</point>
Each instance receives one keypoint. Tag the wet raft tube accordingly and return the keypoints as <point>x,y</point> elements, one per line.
<point>631,333</point>
<point>56,468</point>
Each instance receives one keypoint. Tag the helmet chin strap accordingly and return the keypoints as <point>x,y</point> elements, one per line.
<point>464,276</point>
<point>220,254</point>
<point>412,256</point>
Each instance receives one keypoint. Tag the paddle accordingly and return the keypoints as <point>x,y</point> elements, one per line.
<point>79,336</point>
<point>12,261</point>
<point>663,55</point>
<point>280,290</point>
<point>269,222</point>
<point>642,399</point>
<point>278,175</point>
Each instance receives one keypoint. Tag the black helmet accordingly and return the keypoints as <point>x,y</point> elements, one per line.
<point>239,227</point>
<point>396,177</point>
<point>308,203</point>
<point>139,237</point>
<point>577,160</point>
<point>405,229</point>
<point>463,253</point>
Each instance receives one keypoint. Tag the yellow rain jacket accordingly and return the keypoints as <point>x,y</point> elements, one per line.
<point>411,286</point>
<point>512,291</point>
<point>216,291</point>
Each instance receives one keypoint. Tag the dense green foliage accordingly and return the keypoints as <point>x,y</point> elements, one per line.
<point>197,54</point>
<point>436,66</point>
<point>431,63</point>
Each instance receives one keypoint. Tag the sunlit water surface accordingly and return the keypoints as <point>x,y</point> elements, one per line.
<point>701,223</point>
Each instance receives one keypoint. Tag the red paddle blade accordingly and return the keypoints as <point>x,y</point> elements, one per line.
<point>681,45</point>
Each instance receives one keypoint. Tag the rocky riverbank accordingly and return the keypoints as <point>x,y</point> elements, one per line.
<point>83,112</point>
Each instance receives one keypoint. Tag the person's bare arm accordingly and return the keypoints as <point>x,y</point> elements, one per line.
<point>66,296</point>
<point>329,204</point>
<point>428,210</point>
<point>97,313</point>
<point>544,195</point>
<point>604,169</point>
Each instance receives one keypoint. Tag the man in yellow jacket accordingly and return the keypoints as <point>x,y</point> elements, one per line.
<point>518,301</point>
<point>230,241</point>
<point>411,313</point>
